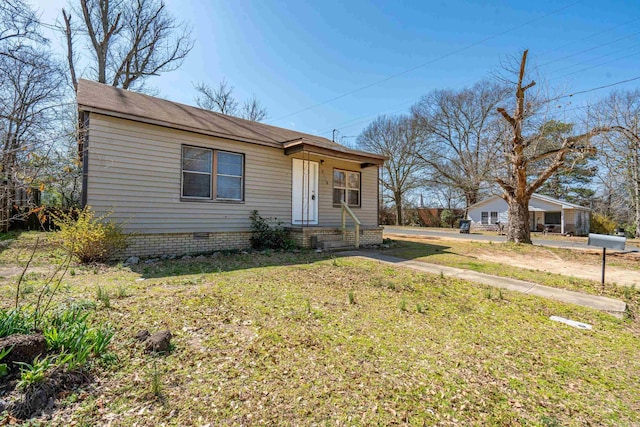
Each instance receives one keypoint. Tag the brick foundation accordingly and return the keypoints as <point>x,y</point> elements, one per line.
<point>150,245</point>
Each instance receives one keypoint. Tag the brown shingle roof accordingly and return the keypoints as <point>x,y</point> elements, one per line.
<point>108,100</point>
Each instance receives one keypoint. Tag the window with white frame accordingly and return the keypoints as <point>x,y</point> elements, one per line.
<point>494,217</point>
<point>205,169</point>
<point>487,218</point>
<point>346,186</point>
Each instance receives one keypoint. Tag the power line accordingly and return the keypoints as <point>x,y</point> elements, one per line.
<point>424,64</point>
<point>606,30</point>
<point>625,49</point>
<point>590,49</point>
<point>599,65</point>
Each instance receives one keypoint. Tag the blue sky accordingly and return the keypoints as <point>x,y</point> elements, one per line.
<point>294,55</point>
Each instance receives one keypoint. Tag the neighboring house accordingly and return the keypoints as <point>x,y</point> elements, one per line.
<point>545,213</point>
<point>186,180</point>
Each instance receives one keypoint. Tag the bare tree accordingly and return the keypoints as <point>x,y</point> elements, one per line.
<point>220,99</point>
<point>400,140</point>
<point>523,153</point>
<point>620,150</point>
<point>19,28</point>
<point>129,40</point>
<point>253,110</point>
<point>30,91</point>
<point>463,135</point>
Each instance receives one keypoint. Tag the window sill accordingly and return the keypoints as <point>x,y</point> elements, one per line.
<point>235,202</point>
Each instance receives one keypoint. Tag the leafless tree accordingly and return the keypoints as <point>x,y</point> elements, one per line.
<point>19,28</point>
<point>463,134</point>
<point>524,153</point>
<point>128,40</point>
<point>400,140</point>
<point>220,99</point>
<point>620,151</point>
<point>253,110</point>
<point>30,91</point>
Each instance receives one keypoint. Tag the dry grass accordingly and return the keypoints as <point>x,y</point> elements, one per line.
<point>275,340</point>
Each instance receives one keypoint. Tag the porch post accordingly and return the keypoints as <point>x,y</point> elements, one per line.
<point>562,221</point>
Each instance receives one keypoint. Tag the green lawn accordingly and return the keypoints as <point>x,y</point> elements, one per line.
<point>274,339</point>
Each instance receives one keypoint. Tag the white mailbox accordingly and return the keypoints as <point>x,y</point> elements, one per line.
<point>606,241</point>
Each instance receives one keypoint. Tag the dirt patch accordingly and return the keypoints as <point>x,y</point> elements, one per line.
<point>567,268</point>
<point>41,398</point>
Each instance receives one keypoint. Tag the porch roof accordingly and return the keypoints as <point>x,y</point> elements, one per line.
<point>336,151</point>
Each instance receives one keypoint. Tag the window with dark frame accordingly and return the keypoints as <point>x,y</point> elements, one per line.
<point>346,186</point>
<point>204,169</point>
<point>553,218</point>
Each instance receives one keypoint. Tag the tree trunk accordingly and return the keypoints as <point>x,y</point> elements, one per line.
<point>518,230</point>
<point>397,197</point>
<point>636,187</point>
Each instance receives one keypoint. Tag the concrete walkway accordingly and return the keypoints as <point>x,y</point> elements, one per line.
<point>612,306</point>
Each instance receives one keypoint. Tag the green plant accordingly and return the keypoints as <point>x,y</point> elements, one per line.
<point>447,218</point>
<point>4,369</point>
<point>122,292</point>
<point>68,333</point>
<point>268,233</point>
<point>403,304</point>
<point>102,295</point>
<point>156,381</point>
<point>488,292</point>
<point>307,305</point>
<point>352,298</point>
<point>101,339</point>
<point>420,308</point>
<point>34,373</point>
<point>88,237</point>
<point>602,224</point>
<point>14,321</point>
<point>629,292</point>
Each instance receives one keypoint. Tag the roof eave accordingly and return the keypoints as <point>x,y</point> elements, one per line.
<point>177,126</point>
<point>298,146</point>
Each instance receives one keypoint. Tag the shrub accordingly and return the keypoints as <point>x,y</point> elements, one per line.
<point>90,238</point>
<point>268,233</point>
<point>602,224</point>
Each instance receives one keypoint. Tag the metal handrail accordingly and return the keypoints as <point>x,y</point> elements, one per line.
<point>346,210</point>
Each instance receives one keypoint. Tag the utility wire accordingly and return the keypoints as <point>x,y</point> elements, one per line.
<point>590,49</point>
<point>424,64</point>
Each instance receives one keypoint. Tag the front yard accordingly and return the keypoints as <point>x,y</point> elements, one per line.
<point>308,339</point>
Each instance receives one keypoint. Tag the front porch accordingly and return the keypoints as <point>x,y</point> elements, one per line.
<point>334,195</point>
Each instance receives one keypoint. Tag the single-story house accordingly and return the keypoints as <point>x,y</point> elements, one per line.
<point>186,180</point>
<point>545,214</point>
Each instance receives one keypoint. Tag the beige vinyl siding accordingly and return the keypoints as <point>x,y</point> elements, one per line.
<point>135,171</point>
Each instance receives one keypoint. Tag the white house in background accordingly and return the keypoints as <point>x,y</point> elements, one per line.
<point>545,213</point>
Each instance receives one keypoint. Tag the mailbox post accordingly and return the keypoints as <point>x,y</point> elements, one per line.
<point>605,241</point>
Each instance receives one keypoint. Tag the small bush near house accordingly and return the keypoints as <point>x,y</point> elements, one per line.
<point>90,238</point>
<point>268,234</point>
<point>602,224</point>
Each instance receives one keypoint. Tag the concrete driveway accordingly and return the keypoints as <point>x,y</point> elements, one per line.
<point>418,231</point>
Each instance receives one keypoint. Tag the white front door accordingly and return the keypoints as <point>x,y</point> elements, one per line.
<point>304,193</point>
